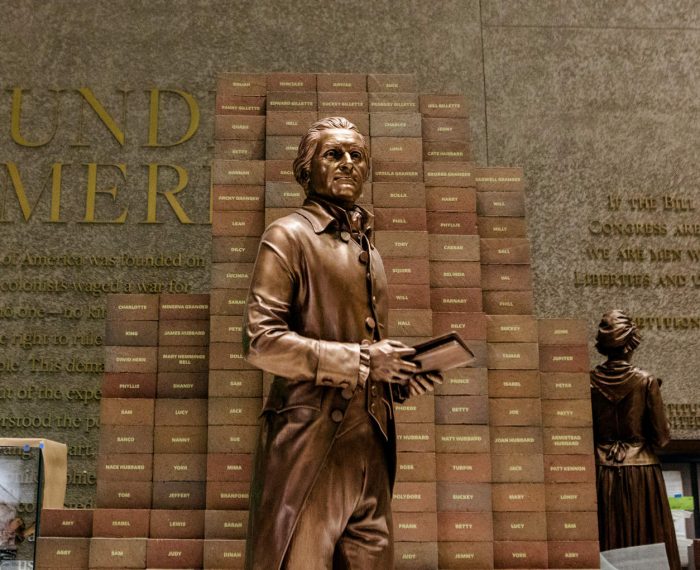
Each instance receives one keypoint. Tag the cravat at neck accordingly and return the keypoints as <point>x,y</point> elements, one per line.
<point>356,221</point>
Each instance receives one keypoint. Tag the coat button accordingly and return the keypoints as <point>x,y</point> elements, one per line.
<point>370,322</point>
<point>364,257</point>
<point>346,393</point>
<point>373,389</point>
<point>345,236</point>
<point>337,416</point>
<point>373,407</point>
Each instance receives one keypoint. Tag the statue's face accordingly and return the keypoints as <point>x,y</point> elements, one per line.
<point>338,167</point>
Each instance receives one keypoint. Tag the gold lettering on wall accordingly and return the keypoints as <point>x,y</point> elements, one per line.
<point>153,123</point>
<point>27,210</point>
<point>92,192</point>
<point>107,119</point>
<point>16,119</point>
<point>650,232</point>
<point>169,195</point>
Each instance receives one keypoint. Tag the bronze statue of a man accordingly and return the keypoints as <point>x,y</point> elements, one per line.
<point>628,422</point>
<point>315,318</point>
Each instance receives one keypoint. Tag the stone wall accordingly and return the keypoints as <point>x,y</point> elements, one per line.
<point>595,101</point>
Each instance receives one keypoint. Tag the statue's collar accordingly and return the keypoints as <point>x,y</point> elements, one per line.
<point>322,214</point>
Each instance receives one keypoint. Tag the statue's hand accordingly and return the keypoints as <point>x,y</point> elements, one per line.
<point>386,362</point>
<point>424,382</point>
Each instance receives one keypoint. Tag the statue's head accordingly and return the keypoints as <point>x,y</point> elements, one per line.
<point>332,161</point>
<point>617,336</point>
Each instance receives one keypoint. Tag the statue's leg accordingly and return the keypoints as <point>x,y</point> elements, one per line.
<point>331,503</point>
<point>367,542</point>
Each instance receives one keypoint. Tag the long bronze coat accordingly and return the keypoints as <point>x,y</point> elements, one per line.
<point>313,299</point>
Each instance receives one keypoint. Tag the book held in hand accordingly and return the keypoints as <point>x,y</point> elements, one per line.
<point>442,353</point>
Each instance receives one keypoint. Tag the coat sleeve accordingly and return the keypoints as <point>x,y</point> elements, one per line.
<point>268,340</point>
<point>658,429</point>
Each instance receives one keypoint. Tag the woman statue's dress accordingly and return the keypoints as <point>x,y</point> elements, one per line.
<point>628,420</point>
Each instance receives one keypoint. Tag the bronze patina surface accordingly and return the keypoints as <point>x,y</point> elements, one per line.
<point>316,315</point>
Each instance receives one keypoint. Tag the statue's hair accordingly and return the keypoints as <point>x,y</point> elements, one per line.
<point>617,334</point>
<point>309,142</point>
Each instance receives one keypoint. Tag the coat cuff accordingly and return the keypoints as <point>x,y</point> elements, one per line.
<point>364,365</point>
<point>338,365</point>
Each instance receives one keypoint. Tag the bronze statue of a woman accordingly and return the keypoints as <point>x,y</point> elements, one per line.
<point>628,421</point>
